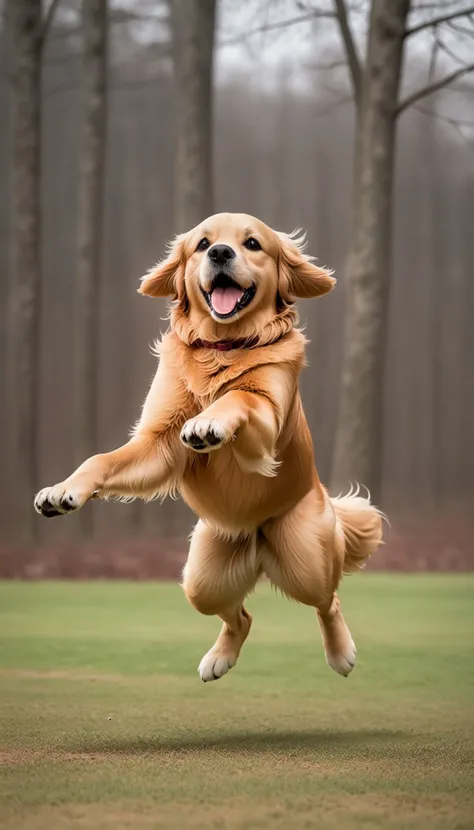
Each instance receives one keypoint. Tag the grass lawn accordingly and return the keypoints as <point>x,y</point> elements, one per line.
<point>105,723</point>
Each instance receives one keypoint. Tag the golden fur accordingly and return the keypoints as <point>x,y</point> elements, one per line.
<point>227,431</point>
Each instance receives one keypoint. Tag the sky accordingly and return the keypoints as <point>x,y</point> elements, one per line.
<point>260,40</point>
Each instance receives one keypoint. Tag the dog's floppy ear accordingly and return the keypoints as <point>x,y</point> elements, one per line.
<point>298,275</point>
<point>166,278</point>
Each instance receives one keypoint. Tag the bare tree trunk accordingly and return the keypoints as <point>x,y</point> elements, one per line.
<point>438,266</point>
<point>193,47</point>
<point>466,471</point>
<point>24,17</point>
<point>358,444</point>
<point>89,232</point>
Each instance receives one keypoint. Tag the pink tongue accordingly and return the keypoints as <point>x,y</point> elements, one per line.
<point>224,300</point>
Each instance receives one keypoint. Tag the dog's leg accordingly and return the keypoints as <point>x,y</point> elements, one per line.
<point>244,418</point>
<point>217,577</point>
<point>139,468</point>
<point>152,461</point>
<point>303,555</point>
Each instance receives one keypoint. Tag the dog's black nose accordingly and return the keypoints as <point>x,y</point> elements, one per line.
<point>220,254</point>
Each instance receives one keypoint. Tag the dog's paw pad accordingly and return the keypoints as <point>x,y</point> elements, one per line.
<point>203,434</point>
<point>56,501</point>
<point>343,661</point>
<point>213,666</point>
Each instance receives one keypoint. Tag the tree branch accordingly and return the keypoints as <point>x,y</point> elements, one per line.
<point>333,106</point>
<point>461,30</point>
<point>459,121</point>
<point>435,21</point>
<point>324,67</point>
<point>433,58</point>
<point>428,90</point>
<point>280,24</point>
<point>348,40</point>
<point>454,123</point>
<point>328,66</point>
<point>449,52</point>
<point>48,19</point>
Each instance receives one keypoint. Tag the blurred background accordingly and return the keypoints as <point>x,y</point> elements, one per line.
<point>124,123</point>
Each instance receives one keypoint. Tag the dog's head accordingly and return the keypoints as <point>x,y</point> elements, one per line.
<point>232,275</point>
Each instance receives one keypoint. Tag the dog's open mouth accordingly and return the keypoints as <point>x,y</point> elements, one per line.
<point>226,296</point>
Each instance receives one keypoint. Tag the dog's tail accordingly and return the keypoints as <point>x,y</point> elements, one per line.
<point>361,524</point>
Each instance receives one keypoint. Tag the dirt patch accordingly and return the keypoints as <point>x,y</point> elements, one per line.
<point>30,674</point>
<point>87,677</point>
<point>431,545</point>
<point>132,559</point>
<point>16,757</point>
<point>434,544</point>
<point>349,811</point>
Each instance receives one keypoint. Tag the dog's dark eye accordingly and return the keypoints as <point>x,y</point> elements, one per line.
<point>204,243</point>
<point>252,244</point>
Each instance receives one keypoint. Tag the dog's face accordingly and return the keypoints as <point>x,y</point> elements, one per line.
<point>233,269</point>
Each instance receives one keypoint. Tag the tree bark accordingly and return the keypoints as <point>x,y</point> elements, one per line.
<point>439,248</point>
<point>24,18</point>
<point>358,445</point>
<point>193,48</point>
<point>89,232</point>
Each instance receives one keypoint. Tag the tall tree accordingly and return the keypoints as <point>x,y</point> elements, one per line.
<point>89,232</point>
<point>376,82</point>
<point>28,31</point>
<point>193,49</point>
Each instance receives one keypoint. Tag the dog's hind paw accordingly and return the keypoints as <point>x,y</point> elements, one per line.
<point>214,665</point>
<point>344,661</point>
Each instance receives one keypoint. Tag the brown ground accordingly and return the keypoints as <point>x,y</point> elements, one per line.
<point>435,545</point>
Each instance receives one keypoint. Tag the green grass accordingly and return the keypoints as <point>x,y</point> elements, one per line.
<point>105,723</point>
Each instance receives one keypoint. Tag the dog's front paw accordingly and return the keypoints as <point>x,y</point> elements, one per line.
<point>204,434</point>
<point>59,500</point>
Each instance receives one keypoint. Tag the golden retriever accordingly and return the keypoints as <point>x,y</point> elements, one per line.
<point>223,425</point>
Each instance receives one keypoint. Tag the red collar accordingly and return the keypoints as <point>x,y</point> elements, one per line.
<point>225,345</point>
